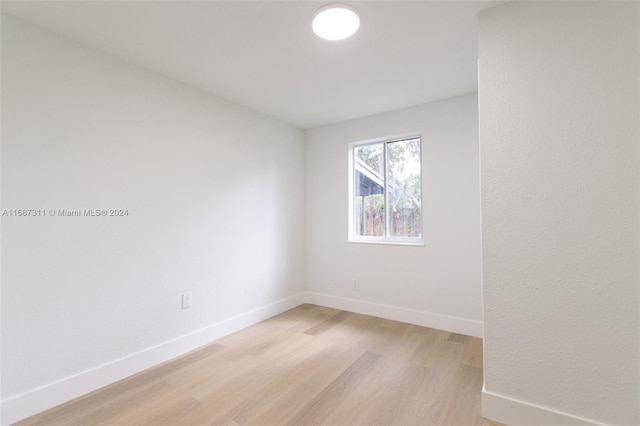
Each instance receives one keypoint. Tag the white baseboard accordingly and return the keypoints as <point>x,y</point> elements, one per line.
<point>29,403</point>
<point>511,411</point>
<point>422,318</point>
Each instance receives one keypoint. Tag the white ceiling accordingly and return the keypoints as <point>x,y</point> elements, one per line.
<point>264,55</point>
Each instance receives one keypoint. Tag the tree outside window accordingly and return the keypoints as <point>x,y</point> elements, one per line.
<point>387,191</point>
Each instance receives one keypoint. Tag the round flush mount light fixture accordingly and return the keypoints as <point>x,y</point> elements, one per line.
<point>335,22</point>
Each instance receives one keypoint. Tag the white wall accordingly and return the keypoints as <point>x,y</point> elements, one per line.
<point>441,279</point>
<point>214,193</point>
<point>559,130</point>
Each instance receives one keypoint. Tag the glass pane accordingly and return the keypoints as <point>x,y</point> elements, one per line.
<point>368,191</point>
<point>404,192</point>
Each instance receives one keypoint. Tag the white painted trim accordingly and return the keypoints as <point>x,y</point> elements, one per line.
<point>32,402</point>
<point>512,411</point>
<point>411,316</point>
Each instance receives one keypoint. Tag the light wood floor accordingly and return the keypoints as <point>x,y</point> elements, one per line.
<point>307,366</point>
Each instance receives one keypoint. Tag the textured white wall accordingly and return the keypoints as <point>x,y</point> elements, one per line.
<point>443,277</point>
<point>559,106</point>
<point>214,193</point>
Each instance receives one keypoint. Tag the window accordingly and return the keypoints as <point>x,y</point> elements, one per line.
<point>385,196</point>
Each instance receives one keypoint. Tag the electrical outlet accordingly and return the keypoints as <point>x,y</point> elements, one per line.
<point>356,285</point>
<point>186,300</point>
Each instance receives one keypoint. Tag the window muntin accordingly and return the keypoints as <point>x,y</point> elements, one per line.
<point>386,191</point>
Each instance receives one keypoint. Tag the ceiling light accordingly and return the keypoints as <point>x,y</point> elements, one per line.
<point>335,22</point>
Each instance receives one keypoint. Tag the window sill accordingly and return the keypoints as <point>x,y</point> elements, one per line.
<point>417,243</point>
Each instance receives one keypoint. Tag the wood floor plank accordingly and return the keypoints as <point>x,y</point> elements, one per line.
<point>369,392</point>
<point>307,366</point>
<point>397,341</point>
<point>472,355</point>
<point>438,350</point>
<point>466,403</point>
<point>410,400</point>
<point>298,384</point>
<point>325,403</point>
<point>329,323</point>
<point>458,338</point>
<point>168,404</point>
<point>294,321</point>
<point>99,408</point>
